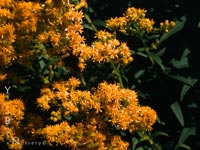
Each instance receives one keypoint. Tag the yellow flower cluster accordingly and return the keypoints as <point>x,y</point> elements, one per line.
<point>27,16</point>
<point>11,113</point>
<point>6,3</point>
<point>134,21</point>
<point>57,24</point>
<point>78,136</point>
<point>167,25</point>
<point>7,54</point>
<point>107,48</point>
<point>64,93</point>
<point>2,76</point>
<point>104,105</point>
<point>83,135</point>
<point>21,21</point>
<point>118,144</point>
<point>122,108</point>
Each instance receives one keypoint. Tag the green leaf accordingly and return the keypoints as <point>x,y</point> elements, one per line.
<point>181,145</point>
<point>99,22</point>
<point>42,64</point>
<point>183,62</point>
<point>198,25</point>
<point>178,27</point>
<point>90,9</point>
<point>142,54</point>
<point>158,60</point>
<point>186,132</point>
<point>180,78</point>
<point>178,113</point>
<point>122,133</point>
<point>140,148</point>
<point>161,52</point>
<point>134,142</point>
<point>186,88</point>
<point>125,78</point>
<point>193,106</point>
<point>87,26</point>
<point>159,133</point>
<point>139,74</point>
<point>141,94</point>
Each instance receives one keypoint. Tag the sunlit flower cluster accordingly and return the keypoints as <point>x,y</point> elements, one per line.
<point>54,23</point>
<point>78,136</point>
<point>107,48</point>
<point>134,21</point>
<point>167,25</point>
<point>118,144</point>
<point>7,54</point>
<point>2,76</point>
<point>27,16</point>
<point>60,27</point>
<point>5,13</point>
<point>108,103</point>
<point>122,108</point>
<point>11,113</point>
<point>6,3</point>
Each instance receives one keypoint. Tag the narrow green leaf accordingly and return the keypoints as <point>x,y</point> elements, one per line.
<point>178,27</point>
<point>142,54</point>
<point>180,78</point>
<point>177,112</point>
<point>99,22</point>
<point>186,132</point>
<point>87,26</point>
<point>193,106</point>
<point>186,53</point>
<point>186,88</point>
<point>158,60</point>
<point>134,142</point>
<point>140,148</point>
<point>181,145</point>
<point>141,94</point>
<point>125,78</point>
<point>159,133</point>
<point>122,133</point>
<point>139,74</point>
<point>161,52</point>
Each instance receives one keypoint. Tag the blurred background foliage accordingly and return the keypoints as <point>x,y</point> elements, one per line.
<point>172,82</point>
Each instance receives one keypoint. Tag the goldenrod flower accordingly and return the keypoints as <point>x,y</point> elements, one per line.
<point>2,77</point>
<point>118,144</point>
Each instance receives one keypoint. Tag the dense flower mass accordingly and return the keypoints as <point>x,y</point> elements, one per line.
<point>108,101</point>
<point>11,113</point>
<point>44,58</point>
<point>7,53</point>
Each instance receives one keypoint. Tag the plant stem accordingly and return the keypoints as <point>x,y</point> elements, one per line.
<point>83,80</point>
<point>87,17</point>
<point>117,73</point>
